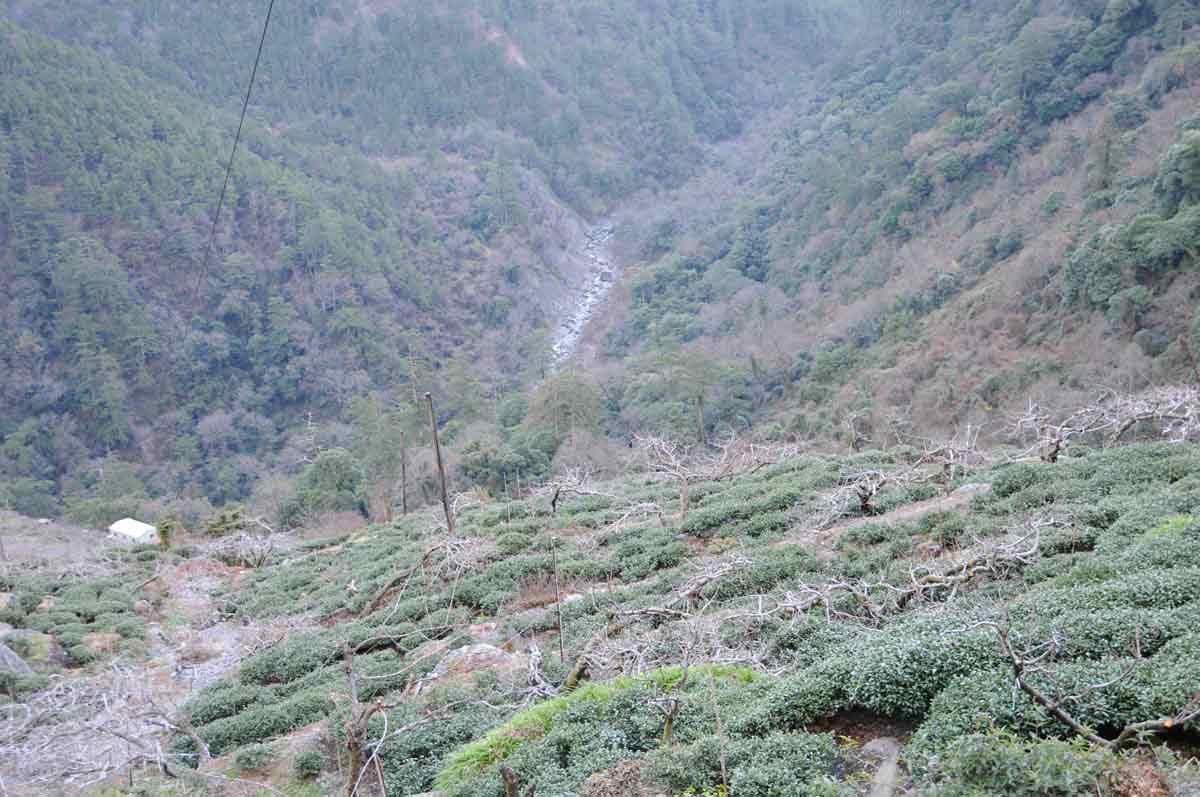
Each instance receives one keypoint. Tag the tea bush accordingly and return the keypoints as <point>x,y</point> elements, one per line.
<point>308,765</point>
<point>1140,689</point>
<point>781,763</point>
<point>255,757</point>
<point>647,551</point>
<point>1121,573</point>
<point>560,742</point>
<point>71,610</point>
<point>998,763</point>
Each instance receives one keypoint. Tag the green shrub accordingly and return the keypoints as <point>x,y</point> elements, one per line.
<point>254,758</point>
<point>1018,477</point>
<point>293,658</point>
<point>778,764</point>
<point>764,523</point>
<point>873,533</point>
<point>998,763</point>
<point>261,722</point>
<point>898,673</point>
<point>569,737</point>
<point>648,551</point>
<point>513,543</point>
<point>224,699</point>
<point>1138,689</point>
<point>1121,631</point>
<point>81,654</point>
<point>1154,589</point>
<point>308,765</point>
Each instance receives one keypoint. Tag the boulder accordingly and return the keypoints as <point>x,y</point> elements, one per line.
<point>7,599</point>
<point>463,663</point>
<point>12,663</point>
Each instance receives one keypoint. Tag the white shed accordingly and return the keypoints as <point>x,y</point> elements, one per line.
<point>134,530</point>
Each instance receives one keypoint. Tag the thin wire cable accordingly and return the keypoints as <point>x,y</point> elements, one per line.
<point>212,236</point>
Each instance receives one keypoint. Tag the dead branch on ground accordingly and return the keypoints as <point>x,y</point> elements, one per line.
<point>680,606</point>
<point>871,602</point>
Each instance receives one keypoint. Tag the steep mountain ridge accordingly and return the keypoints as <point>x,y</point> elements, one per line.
<point>908,245</point>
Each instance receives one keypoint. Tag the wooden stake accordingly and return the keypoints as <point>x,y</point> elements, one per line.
<point>712,696</point>
<point>403,474</point>
<point>437,451</point>
<point>562,645</point>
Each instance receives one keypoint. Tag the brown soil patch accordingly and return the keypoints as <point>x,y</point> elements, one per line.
<point>623,780</point>
<point>1139,778</point>
<point>538,593</point>
<point>863,726</point>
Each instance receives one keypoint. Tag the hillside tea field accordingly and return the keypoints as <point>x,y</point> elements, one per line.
<point>734,650</point>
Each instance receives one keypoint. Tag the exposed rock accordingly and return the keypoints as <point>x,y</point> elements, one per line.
<point>47,604</point>
<point>12,663</point>
<point>143,608</point>
<point>7,599</point>
<point>485,632</point>
<point>928,550</point>
<point>974,488</point>
<point>586,299</point>
<point>887,776</point>
<point>462,663</point>
<point>196,653</point>
<point>474,658</point>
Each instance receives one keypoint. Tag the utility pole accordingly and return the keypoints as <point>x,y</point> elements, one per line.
<point>403,474</point>
<point>437,451</point>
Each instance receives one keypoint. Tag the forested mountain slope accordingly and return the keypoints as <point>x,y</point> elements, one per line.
<point>318,289</point>
<point>399,219</point>
<point>880,225</point>
<point>987,201</point>
<point>838,222</point>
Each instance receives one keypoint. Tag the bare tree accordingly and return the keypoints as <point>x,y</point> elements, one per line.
<point>1030,661</point>
<point>724,459</point>
<point>871,602</point>
<point>856,492</point>
<point>80,731</point>
<point>1173,411</point>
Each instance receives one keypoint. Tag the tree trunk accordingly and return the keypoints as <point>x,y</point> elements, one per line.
<point>437,451</point>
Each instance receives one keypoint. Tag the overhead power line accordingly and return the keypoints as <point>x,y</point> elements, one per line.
<point>212,236</point>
